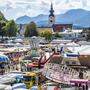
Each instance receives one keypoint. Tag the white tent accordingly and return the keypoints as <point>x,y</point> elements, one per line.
<point>18,40</point>
<point>5,87</point>
<point>85,52</point>
<point>84,49</point>
<point>9,78</point>
<point>18,86</point>
<point>20,89</point>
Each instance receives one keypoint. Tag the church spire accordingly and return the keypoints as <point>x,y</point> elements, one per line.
<point>51,11</point>
<point>51,16</point>
<point>51,6</point>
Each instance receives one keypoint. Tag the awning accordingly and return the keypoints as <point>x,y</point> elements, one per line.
<point>19,85</point>
<point>71,55</point>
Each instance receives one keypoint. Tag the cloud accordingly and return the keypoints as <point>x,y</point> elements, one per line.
<point>15,8</point>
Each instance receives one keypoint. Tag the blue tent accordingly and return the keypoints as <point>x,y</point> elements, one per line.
<point>4,58</point>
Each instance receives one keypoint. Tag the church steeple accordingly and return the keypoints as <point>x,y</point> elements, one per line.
<point>51,16</point>
<point>51,11</point>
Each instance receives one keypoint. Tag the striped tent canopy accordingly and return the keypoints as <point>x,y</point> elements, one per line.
<point>4,58</point>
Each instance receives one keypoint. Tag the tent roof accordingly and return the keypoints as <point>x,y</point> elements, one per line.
<point>4,58</point>
<point>82,50</point>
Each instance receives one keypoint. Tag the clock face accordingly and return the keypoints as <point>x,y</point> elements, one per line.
<point>51,19</point>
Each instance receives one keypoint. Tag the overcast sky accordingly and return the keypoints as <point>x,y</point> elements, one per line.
<point>16,8</point>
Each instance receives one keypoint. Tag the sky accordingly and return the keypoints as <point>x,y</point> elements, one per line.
<point>13,9</point>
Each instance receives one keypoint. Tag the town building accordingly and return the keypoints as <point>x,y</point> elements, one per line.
<point>52,26</point>
<point>61,27</point>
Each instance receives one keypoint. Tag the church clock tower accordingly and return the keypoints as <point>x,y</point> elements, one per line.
<point>51,16</point>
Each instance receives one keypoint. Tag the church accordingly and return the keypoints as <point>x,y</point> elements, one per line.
<point>51,26</point>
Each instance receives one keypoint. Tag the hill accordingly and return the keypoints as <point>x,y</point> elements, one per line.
<point>78,17</point>
<point>84,21</point>
<point>23,20</point>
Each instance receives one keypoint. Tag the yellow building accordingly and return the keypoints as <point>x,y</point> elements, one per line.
<point>42,29</point>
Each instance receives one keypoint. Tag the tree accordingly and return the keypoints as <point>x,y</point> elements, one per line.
<point>2,17</point>
<point>11,28</point>
<point>31,30</point>
<point>2,25</point>
<point>88,35</point>
<point>2,30</point>
<point>57,35</point>
<point>47,34</point>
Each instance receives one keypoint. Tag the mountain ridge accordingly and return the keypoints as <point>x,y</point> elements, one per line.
<point>75,16</point>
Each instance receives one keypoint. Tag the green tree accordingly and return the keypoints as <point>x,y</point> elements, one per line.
<point>2,25</point>
<point>11,28</point>
<point>57,35</point>
<point>2,30</point>
<point>31,30</point>
<point>2,17</point>
<point>47,34</point>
